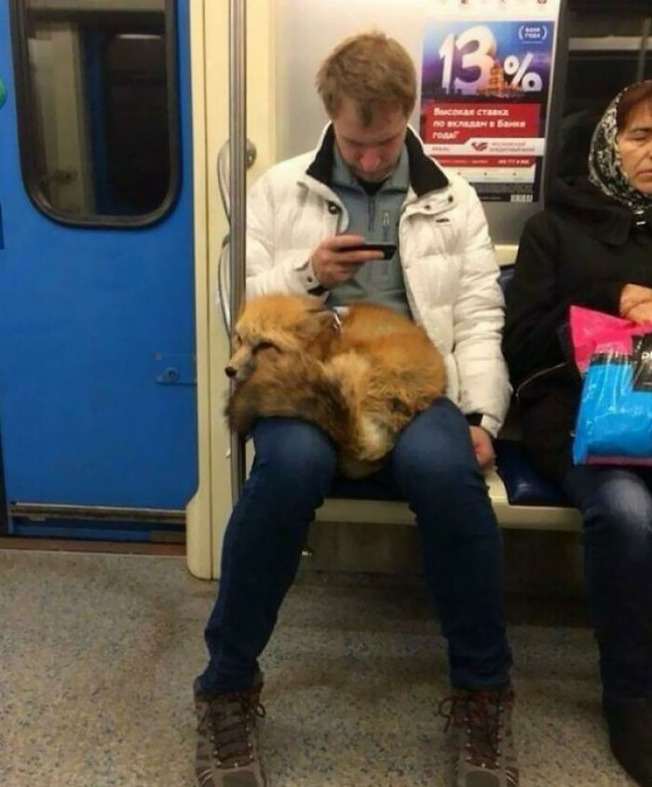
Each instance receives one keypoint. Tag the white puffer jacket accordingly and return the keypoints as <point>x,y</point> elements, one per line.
<point>450,272</point>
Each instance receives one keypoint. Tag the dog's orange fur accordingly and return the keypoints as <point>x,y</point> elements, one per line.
<point>361,378</point>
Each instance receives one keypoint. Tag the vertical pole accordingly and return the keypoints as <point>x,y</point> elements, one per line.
<point>642,55</point>
<point>237,192</point>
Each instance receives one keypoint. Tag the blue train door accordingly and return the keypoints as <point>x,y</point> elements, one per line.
<point>97,375</point>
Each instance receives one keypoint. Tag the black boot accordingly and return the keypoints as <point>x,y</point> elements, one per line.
<point>630,735</point>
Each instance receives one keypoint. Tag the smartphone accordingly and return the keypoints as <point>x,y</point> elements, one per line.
<point>388,249</point>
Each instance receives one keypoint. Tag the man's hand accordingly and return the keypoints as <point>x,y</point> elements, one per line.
<point>333,264</point>
<point>636,303</point>
<point>483,446</point>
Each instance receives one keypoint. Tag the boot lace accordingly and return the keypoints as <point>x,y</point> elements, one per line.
<point>231,718</point>
<point>477,714</point>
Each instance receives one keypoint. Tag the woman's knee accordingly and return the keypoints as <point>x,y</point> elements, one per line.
<point>623,521</point>
<point>618,506</point>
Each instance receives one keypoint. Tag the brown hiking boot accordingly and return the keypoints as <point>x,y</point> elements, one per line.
<point>227,749</point>
<point>479,737</point>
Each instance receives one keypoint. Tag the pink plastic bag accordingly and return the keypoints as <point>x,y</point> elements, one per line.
<point>597,332</point>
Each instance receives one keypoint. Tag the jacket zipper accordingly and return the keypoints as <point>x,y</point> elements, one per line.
<point>540,373</point>
<point>409,208</point>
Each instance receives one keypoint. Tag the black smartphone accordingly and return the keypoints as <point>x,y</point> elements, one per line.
<point>388,249</point>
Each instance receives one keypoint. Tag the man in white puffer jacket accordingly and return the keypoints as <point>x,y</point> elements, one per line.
<point>370,180</point>
<point>447,259</point>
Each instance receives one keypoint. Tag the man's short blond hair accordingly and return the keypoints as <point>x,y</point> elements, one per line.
<point>372,70</point>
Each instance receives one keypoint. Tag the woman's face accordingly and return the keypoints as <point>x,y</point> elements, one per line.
<point>635,145</point>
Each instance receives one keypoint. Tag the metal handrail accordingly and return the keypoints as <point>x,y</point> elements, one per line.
<point>224,171</point>
<point>237,193</point>
<point>223,176</point>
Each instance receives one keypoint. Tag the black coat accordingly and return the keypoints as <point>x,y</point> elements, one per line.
<point>581,250</point>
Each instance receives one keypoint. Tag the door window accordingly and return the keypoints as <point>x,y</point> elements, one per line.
<point>96,104</point>
<point>609,46</point>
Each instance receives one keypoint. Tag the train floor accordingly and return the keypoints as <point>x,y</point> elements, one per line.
<point>98,653</point>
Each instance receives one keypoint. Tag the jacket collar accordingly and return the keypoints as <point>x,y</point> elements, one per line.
<point>607,220</point>
<point>425,175</point>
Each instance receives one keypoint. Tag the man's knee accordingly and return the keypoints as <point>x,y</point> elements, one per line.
<point>436,448</point>
<point>291,452</point>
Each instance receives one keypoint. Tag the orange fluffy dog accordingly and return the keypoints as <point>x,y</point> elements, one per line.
<point>361,376</point>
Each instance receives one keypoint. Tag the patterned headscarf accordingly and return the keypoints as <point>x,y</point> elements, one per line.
<point>605,163</point>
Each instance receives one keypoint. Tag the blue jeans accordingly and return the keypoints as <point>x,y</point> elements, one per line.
<point>433,467</point>
<point>616,504</point>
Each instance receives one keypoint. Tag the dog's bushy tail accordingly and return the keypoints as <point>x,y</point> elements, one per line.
<point>291,385</point>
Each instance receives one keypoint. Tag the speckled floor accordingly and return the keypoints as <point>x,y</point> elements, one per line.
<point>98,653</point>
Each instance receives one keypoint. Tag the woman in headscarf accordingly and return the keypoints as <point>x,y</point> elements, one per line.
<point>592,246</point>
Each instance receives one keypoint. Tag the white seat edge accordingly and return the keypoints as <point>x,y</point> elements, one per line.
<point>518,517</point>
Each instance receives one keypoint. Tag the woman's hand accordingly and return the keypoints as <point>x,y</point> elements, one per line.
<point>636,303</point>
<point>641,313</point>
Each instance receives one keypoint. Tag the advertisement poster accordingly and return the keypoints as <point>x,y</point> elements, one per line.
<point>484,101</point>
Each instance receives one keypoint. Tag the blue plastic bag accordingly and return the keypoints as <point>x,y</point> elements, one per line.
<point>614,421</point>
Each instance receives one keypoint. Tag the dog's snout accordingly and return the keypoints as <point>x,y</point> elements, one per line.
<point>230,371</point>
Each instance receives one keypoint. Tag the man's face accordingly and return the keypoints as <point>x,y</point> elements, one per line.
<point>370,151</point>
<point>635,144</point>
